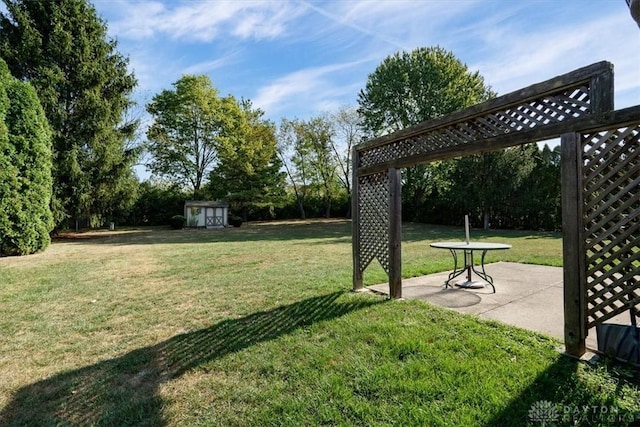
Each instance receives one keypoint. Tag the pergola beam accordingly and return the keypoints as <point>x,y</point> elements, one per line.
<point>588,123</point>
<point>601,70</point>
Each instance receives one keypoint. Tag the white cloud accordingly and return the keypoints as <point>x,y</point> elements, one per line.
<point>312,88</point>
<point>207,66</point>
<point>512,44</point>
<point>529,57</point>
<point>202,21</point>
<point>284,89</point>
<point>266,22</point>
<point>389,26</point>
<point>154,72</point>
<point>290,56</point>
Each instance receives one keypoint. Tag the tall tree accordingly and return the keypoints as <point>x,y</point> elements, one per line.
<point>248,174</point>
<point>311,164</point>
<point>83,84</point>
<point>347,133</point>
<point>25,169</point>
<point>294,157</point>
<point>489,185</point>
<point>410,87</point>
<point>539,206</point>
<point>317,135</point>
<point>190,122</point>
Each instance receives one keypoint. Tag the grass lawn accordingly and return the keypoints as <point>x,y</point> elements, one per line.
<point>257,326</point>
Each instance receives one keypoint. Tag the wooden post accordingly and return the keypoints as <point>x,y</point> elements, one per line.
<point>358,282</point>
<point>395,234</point>
<point>601,92</point>
<point>573,252</point>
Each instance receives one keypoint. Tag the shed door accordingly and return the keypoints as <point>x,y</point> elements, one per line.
<point>214,217</point>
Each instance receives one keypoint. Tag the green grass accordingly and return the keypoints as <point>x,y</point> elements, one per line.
<point>257,326</point>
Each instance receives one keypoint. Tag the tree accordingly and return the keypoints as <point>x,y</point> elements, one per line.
<point>294,157</point>
<point>25,169</point>
<point>410,87</point>
<point>518,187</point>
<point>83,84</point>
<point>317,135</point>
<point>311,164</point>
<point>539,205</point>
<point>489,185</point>
<point>248,174</point>
<point>190,123</point>
<point>347,133</point>
<point>157,202</point>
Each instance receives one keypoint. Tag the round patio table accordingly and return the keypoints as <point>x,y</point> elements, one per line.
<point>468,249</point>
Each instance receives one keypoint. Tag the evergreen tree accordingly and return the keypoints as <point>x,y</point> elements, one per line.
<point>518,187</point>
<point>61,48</point>
<point>540,198</point>
<point>25,169</point>
<point>156,203</point>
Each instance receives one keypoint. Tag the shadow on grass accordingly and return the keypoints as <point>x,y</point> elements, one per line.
<point>568,394</point>
<point>412,231</point>
<point>324,231</point>
<point>336,230</point>
<point>124,390</point>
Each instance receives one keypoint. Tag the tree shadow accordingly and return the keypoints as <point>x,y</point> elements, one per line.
<point>340,230</point>
<point>561,396</point>
<point>324,231</point>
<point>124,390</point>
<point>415,232</point>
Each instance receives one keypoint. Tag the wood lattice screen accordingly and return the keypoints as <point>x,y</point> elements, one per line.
<point>545,109</point>
<point>374,220</point>
<point>600,186</point>
<point>611,209</point>
<point>531,114</point>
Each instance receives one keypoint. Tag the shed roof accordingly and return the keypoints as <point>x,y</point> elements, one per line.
<point>206,204</point>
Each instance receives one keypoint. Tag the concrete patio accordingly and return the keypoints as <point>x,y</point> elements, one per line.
<point>528,296</point>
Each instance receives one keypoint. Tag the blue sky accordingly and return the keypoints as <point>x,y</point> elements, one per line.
<point>302,58</point>
<point>299,59</point>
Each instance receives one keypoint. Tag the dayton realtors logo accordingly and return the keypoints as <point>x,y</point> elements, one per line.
<point>544,412</point>
<point>547,413</point>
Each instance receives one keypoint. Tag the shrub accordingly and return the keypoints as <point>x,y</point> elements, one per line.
<point>156,204</point>
<point>25,169</point>
<point>235,221</point>
<point>177,222</point>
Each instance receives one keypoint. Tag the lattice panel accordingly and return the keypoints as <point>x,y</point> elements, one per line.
<point>374,220</point>
<point>611,182</point>
<point>571,103</point>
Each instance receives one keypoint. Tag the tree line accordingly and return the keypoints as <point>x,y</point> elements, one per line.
<point>77,91</point>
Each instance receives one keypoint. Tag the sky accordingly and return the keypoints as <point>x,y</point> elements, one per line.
<point>300,59</point>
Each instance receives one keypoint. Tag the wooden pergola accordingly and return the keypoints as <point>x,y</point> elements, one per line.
<point>600,186</point>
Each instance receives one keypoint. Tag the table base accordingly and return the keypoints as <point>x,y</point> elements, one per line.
<point>471,284</point>
<point>468,267</point>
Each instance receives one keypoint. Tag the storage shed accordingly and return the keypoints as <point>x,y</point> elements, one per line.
<point>209,214</point>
